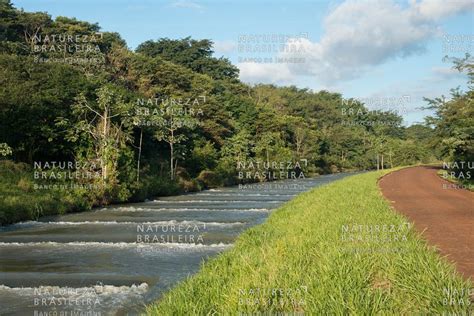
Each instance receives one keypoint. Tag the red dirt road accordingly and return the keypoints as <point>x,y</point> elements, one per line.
<point>445,214</point>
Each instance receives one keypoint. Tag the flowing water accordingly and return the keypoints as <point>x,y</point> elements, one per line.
<point>114,260</point>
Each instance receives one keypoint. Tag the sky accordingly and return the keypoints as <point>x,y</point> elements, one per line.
<point>384,52</point>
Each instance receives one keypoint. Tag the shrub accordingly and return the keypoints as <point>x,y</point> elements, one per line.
<point>24,185</point>
<point>209,179</point>
<point>189,185</point>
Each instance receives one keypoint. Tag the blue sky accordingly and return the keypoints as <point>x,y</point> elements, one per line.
<point>386,52</point>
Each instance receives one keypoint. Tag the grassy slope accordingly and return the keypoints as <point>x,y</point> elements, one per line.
<point>466,185</point>
<point>300,245</point>
<point>19,201</point>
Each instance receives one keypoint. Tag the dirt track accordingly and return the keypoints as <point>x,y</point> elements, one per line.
<point>446,214</point>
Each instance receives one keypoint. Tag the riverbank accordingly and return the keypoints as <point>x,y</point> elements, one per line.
<point>336,249</point>
<point>20,201</point>
<point>24,198</point>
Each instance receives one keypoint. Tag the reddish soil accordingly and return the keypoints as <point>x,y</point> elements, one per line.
<point>444,215</point>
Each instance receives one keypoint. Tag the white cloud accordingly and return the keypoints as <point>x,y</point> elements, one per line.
<point>224,47</point>
<point>359,35</point>
<point>186,4</point>
<point>269,73</point>
<point>437,9</point>
<point>441,74</point>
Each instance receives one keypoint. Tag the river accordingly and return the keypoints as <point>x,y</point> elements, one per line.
<point>114,260</point>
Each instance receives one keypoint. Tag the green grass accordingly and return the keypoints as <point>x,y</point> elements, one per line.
<point>299,249</point>
<point>466,184</point>
<point>23,198</point>
<point>20,201</point>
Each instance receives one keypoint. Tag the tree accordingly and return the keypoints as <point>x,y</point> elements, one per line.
<point>453,121</point>
<point>30,103</point>
<point>192,54</point>
<point>174,119</point>
<point>101,124</point>
<point>237,150</point>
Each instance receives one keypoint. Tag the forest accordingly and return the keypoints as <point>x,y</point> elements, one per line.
<point>87,121</point>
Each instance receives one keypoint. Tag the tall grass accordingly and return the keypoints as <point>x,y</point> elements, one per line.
<point>22,197</point>
<point>467,184</point>
<point>20,201</point>
<point>300,260</point>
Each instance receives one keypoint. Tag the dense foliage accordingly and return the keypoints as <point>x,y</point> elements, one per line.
<point>453,124</point>
<point>170,117</point>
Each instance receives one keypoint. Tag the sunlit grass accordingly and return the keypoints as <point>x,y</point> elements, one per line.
<point>458,183</point>
<point>20,201</point>
<point>300,251</point>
